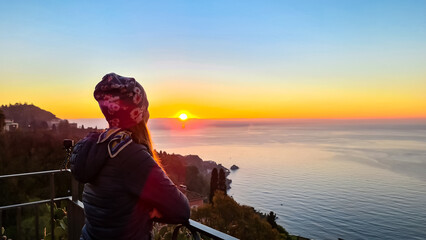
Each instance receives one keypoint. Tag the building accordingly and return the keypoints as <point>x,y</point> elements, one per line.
<point>9,125</point>
<point>195,199</point>
<point>54,123</point>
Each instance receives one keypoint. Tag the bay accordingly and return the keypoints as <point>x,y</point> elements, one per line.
<point>325,179</point>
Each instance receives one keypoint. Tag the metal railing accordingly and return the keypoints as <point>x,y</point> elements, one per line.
<point>197,228</point>
<point>75,207</point>
<point>75,211</point>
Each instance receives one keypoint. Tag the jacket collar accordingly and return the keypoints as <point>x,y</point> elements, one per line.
<point>117,138</point>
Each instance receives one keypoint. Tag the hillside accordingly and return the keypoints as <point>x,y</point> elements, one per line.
<point>27,114</point>
<point>190,170</point>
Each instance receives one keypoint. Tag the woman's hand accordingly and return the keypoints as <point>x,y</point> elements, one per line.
<point>154,213</point>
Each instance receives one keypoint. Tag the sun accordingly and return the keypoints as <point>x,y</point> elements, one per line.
<point>183,116</point>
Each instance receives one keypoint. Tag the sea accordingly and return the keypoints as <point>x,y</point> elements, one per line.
<point>324,179</point>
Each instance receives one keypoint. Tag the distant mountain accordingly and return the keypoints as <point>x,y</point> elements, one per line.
<point>27,114</point>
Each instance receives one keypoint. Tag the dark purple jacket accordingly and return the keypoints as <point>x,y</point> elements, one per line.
<point>120,191</point>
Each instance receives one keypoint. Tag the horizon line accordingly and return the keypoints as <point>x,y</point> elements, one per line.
<point>277,118</point>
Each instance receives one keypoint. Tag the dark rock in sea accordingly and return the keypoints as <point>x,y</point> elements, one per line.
<point>234,167</point>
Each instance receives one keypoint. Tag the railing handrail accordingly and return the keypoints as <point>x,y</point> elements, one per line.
<point>208,231</point>
<point>34,173</point>
<point>33,203</point>
<point>52,199</point>
<point>193,226</point>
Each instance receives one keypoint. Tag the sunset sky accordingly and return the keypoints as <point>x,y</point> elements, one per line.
<point>220,59</point>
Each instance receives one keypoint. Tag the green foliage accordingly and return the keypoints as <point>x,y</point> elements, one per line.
<point>227,216</point>
<point>29,151</point>
<point>271,217</point>
<point>185,170</point>
<point>165,232</point>
<point>213,184</point>
<point>64,127</point>
<point>221,182</point>
<point>60,225</point>
<point>195,181</point>
<point>25,151</point>
<point>28,230</point>
<point>217,183</point>
<point>3,232</point>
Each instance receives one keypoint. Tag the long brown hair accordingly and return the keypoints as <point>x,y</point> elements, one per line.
<point>141,135</point>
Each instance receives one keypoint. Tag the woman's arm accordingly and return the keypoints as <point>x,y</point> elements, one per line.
<point>148,181</point>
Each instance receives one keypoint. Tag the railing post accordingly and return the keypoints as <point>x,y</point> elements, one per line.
<point>75,213</point>
<point>18,223</point>
<point>52,211</point>
<point>72,211</point>
<point>1,219</point>
<point>74,189</point>
<point>37,233</point>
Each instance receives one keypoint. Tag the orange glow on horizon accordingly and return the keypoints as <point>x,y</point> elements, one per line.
<point>282,102</point>
<point>66,110</point>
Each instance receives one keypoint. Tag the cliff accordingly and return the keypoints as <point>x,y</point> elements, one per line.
<point>190,170</point>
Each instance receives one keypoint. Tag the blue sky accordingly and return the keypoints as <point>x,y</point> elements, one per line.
<point>317,46</point>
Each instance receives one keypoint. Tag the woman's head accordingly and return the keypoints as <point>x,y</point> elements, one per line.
<point>123,101</point>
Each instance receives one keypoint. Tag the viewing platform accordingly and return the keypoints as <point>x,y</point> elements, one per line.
<point>75,212</point>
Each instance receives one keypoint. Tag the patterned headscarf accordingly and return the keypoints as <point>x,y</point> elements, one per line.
<point>122,100</point>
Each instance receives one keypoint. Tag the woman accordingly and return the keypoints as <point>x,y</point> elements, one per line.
<point>125,187</point>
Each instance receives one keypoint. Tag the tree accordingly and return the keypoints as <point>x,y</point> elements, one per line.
<point>213,184</point>
<point>44,125</point>
<point>240,221</point>
<point>221,185</point>
<point>195,181</point>
<point>271,217</point>
<point>33,125</point>
<point>64,127</point>
<point>2,118</point>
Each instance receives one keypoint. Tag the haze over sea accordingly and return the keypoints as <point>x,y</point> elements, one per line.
<point>352,179</point>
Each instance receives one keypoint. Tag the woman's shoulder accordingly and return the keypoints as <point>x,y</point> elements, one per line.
<point>136,166</point>
<point>137,151</point>
<point>136,156</point>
